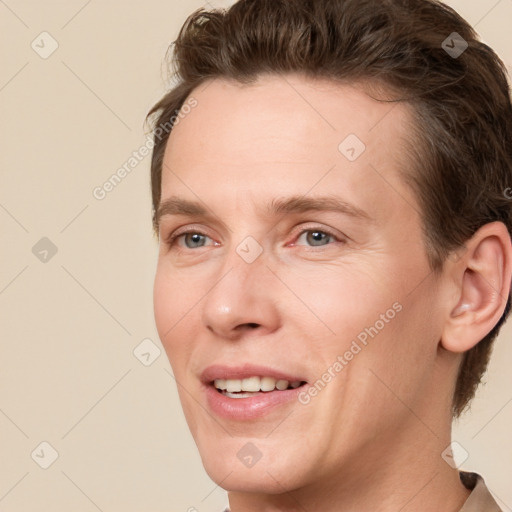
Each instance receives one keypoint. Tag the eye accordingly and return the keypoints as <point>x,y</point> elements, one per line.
<point>317,237</point>
<point>192,239</point>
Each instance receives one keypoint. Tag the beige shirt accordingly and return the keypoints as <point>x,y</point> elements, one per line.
<point>480,499</point>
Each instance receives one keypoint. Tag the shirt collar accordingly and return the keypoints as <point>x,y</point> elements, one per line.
<point>480,497</point>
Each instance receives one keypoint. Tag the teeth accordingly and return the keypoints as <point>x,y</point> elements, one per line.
<point>267,384</point>
<point>220,384</point>
<point>282,384</point>
<point>233,386</point>
<point>251,384</point>
<point>254,384</point>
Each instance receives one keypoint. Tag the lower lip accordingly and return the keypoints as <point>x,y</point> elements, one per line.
<point>249,408</point>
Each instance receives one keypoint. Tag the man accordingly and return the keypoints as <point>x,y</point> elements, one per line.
<point>342,172</point>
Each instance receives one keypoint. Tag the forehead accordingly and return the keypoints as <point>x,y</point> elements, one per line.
<point>286,133</point>
<point>291,107</point>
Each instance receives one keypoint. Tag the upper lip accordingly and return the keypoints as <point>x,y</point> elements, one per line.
<point>219,371</point>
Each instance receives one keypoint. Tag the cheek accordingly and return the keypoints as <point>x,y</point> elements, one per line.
<point>174,294</point>
<point>366,322</point>
<point>164,301</point>
<point>173,303</point>
<point>342,301</point>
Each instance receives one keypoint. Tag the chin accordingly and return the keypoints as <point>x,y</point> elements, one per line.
<point>255,480</point>
<point>231,467</point>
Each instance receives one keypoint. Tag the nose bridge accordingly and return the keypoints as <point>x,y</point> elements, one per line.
<point>243,292</point>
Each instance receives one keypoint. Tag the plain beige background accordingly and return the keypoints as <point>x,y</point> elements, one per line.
<point>71,321</point>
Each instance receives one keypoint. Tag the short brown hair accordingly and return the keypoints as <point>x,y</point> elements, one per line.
<point>461,145</point>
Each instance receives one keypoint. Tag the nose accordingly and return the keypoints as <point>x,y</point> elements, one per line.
<point>244,300</point>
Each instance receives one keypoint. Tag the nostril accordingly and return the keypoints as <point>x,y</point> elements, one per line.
<point>252,325</point>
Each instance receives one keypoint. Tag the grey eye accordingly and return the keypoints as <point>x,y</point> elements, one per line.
<point>196,238</point>
<point>316,238</point>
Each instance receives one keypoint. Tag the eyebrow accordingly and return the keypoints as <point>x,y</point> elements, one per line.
<point>295,204</point>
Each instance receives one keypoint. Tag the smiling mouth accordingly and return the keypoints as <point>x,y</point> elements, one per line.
<point>253,386</point>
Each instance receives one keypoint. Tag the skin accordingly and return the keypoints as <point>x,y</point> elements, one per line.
<point>372,438</point>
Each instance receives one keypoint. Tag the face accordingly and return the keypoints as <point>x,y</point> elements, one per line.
<point>301,267</point>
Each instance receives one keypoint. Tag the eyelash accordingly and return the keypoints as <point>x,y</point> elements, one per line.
<point>172,239</point>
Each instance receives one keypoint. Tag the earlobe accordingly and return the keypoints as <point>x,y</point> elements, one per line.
<point>483,277</point>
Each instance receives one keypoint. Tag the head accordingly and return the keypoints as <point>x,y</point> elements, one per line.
<point>359,103</point>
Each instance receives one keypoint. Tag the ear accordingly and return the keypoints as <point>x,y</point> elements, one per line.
<point>482,279</point>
